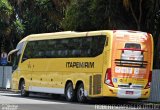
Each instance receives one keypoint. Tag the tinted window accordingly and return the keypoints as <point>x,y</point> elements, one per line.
<point>29,50</point>
<point>70,47</point>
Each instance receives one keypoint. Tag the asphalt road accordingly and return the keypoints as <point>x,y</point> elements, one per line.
<point>13,101</point>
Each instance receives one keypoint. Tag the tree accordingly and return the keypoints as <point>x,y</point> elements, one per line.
<point>39,16</point>
<point>61,5</point>
<point>156,33</point>
<point>137,17</point>
<point>83,15</point>
<point>77,16</point>
<point>25,17</point>
<point>5,19</point>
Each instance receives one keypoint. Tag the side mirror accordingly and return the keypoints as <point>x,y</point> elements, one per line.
<point>9,58</point>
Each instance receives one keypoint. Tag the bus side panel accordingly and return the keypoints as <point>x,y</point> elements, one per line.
<point>90,75</point>
<point>15,81</point>
<point>107,65</point>
<point>24,72</point>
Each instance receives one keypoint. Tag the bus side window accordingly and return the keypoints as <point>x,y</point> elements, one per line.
<point>53,53</point>
<point>16,61</point>
<point>97,46</point>
<point>76,53</point>
<point>29,51</point>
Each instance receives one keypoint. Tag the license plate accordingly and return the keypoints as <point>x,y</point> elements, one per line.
<point>129,92</point>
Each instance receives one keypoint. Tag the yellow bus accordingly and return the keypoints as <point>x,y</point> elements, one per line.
<point>106,63</point>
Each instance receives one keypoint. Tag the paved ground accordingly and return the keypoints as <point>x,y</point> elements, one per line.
<point>13,101</point>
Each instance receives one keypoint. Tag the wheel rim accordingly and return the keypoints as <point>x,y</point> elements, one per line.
<point>69,93</point>
<point>22,88</point>
<point>81,93</point>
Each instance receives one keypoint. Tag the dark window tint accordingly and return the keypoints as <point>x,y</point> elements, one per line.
<point>133,45</point>
<point>29,50</point>
<point>69,47</point>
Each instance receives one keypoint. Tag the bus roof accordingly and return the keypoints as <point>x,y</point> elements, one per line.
<point>59,35</point>
<point>71,34</point>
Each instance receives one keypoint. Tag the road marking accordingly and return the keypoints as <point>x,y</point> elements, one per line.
<point>9,94</point>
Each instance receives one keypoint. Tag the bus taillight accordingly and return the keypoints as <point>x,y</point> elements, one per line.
<point>108,78</point>
<point>149,80</point>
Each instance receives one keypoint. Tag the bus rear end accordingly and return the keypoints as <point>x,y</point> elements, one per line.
<point>131,65</point>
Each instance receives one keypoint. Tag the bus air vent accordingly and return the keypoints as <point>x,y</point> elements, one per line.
<point>96,84</point>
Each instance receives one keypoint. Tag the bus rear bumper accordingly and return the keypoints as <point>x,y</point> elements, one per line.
<point>127,93</point>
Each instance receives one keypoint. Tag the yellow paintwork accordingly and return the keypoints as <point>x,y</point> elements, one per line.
<point>53,72</point>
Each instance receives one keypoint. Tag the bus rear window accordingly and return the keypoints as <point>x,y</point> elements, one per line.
<point>133,46</point>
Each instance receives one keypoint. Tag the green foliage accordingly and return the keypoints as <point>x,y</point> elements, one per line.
<point>43,5</point>
<point>38,16</point>
<point>105,15</point>
<point>84,15</point>
<point>5,15</point>
<point>99,14</point>
<point>18,28</point>
<point>78,16</point>
<point>5,10</point>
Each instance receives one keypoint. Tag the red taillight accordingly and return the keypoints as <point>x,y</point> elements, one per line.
<point>108,78</point>
<point>149,80</point>
<point>148,35</point>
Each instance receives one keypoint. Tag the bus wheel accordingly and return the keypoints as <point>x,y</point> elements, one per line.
<point>24,93</point>
<point>80,94</point>
<point>69,92</point>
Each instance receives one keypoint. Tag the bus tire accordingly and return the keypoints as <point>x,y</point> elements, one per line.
<point>80,94</point>
<point>24,93</point>
<point>69,92</point>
